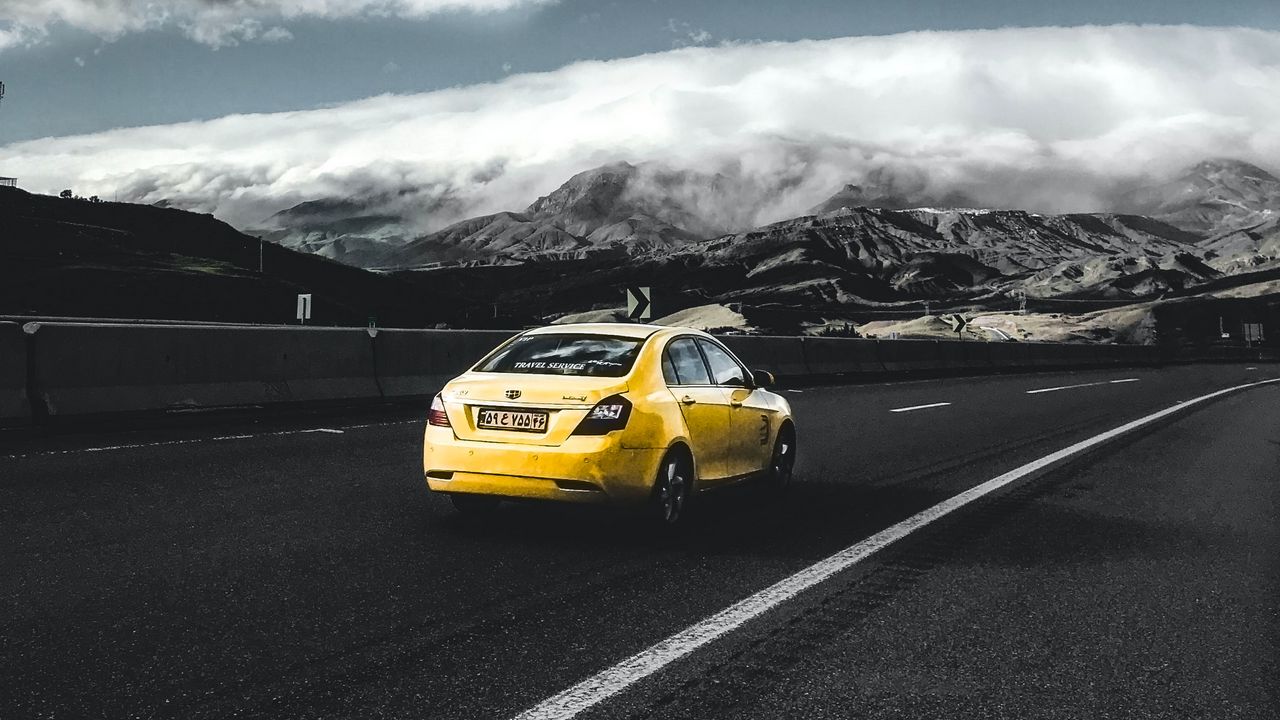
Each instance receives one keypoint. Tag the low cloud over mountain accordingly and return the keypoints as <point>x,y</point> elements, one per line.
<point>1050,120</point>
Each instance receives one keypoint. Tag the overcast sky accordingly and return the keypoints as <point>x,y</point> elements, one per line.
<point>486,102</point>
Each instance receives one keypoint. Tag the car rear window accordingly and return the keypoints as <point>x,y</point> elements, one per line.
<point>588,355</point>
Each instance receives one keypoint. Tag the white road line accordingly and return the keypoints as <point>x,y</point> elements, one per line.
<point>162,443</point>
<point>1081,385</point>
<point>384,424</point>
<point>614,680</point>
<point>1251,368</point>
<point>920,407</point>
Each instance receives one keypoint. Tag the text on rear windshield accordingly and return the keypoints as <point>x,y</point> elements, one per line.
<point>587,355</point>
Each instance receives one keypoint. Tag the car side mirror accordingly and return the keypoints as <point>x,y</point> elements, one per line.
<point>763,378</point>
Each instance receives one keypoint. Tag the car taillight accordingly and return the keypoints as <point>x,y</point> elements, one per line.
<point>436,415</point>
<point>608,415</point>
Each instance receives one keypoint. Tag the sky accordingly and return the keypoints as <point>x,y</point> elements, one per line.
<point>244,107</point>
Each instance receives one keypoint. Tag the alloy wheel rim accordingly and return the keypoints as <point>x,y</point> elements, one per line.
<point>673,493</point>
<point>782,463</point>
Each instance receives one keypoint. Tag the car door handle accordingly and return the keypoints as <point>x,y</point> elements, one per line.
<point>687,400</point>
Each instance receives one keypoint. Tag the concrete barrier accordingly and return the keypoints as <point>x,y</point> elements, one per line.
<point>838,356</point>
<point>976,355</point>
<point>14,408</point>
<point>84,369</point>
<point>410,363</point>
<point>964,355</point>
<point>90,369</point>
<point>950,354</point>
<point>1045,355</point>
<point>782,356</point>
<point>1015,355</point>
<point>1079,356</point>
<point>1109,355</point>
<point>911,355</point>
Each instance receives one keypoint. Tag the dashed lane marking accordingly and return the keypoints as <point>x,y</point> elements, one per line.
<point>919,407</point>
<point>610,682</point>
<point>1082,385</point>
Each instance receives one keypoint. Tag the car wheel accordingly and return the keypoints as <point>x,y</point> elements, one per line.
<point>783,463</point>
<point>474,504</point>
<point>673,488</point>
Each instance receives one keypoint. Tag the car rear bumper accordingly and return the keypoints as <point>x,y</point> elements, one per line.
<point>582,470</point>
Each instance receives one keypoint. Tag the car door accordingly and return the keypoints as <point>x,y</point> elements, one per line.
<point>750,416</point>
<point>704,404</point>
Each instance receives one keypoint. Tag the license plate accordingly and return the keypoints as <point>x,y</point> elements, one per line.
<point>497,419</point>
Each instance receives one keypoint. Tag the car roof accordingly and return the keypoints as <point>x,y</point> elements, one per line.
<point>630,330</point>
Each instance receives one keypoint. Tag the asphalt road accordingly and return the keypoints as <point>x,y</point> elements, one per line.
<point>295,567</point>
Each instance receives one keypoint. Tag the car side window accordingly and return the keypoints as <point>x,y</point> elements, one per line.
<point>724,369</point>
<point>669,373</point>
<point>686,362</point>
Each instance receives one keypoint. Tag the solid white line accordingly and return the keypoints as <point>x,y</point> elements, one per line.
<point>1081,385</point>
<point>920,407</point>
<point>614,680</point>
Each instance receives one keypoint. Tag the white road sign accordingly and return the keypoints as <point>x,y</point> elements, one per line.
<point>304,307</point>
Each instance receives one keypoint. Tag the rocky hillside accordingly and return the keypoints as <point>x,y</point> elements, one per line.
<point>876,254</point>
<point>1247,249</point>
<point>349,231</point>
<point>617,209</point>
<point>885,239</point>
<point>1211,198</point>
<point>100,259</point>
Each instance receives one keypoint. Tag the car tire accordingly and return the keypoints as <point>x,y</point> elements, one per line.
<point>673,489</point>
<point>474,504</point>
<point>783,463</point>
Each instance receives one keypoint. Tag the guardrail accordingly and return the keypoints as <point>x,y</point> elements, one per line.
<point>53,370</point>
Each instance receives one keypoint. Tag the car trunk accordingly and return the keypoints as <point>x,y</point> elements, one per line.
<point>565,400</point>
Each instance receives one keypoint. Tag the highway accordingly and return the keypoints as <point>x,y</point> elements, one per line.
<point>295,567</point>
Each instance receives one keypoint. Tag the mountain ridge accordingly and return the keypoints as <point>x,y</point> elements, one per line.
<point>912,242</point>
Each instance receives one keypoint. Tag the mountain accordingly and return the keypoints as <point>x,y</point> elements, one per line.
<point>892,190</point>
<point>1247,249</point>
<point>850,255</point>
<point>615,210</point>
<point>1212,198</point>
<point>885,255</point>
<point>352,232</point>
<point>886,239</point>
<point>97,259</point>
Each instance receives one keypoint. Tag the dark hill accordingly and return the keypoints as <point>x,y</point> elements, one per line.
<point>75,257</point>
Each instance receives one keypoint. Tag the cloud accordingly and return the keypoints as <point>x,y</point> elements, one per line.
<point>216,23</point>
<point>686,35</point>
<point>1046,119</point>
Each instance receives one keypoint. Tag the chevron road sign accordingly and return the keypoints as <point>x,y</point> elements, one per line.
<point>639,306</point>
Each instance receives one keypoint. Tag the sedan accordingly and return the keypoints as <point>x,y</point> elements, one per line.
<point>623,414</point>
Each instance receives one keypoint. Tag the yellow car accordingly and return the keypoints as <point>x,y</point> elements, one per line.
<point>606,413</point>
